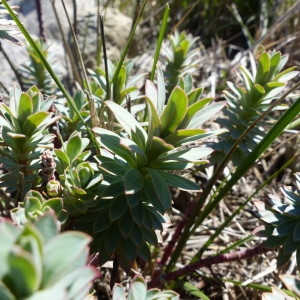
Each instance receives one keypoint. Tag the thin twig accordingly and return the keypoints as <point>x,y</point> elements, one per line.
<point>208,262</point>
<point>40,19</point>
<point>16,72</point>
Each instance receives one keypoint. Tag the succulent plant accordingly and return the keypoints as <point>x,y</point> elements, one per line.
<point>138,290</point>
<point>24,137</point>
<point>139,167</point>
<point>38,262</point>
<point>35,206</point>
<point>182,57</point>
<point>282,223</point>
<point>246,102</point>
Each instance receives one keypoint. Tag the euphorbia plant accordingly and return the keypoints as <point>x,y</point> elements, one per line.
<point>139,165</point>
<point>24,136</point>
<point>39,262</point>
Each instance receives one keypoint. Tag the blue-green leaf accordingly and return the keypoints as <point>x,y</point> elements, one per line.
<point>129,123</point>
<point>204,114</point>
<point>160,192</point>
<point>75,145</point>
<point>133,181</point>
<point>117,145</point>
<point>25,108</point>
<point>174,112</point>
<point>179,181</point>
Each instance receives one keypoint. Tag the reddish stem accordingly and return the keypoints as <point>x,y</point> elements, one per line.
<point>169,248</point>
<point>207,262</point>
<point>40,19</point>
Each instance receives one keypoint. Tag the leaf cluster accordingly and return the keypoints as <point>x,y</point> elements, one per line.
<point>24,137</point>
<point>138,290</point>
<point>281,218</point>
<point>31,264</point>
<point>259,88</point>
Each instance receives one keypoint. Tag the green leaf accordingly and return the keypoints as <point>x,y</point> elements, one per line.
<point>118,85</point>
<point>23,278</point>
<point>183,159</point>
<point>118,292</point>
<point>194,95</point>
<point>144,252</point>
<point>129,124</point>
<point>137,235</point>
<point>282,258</point>
<point>63,160</point>
<point>49,294</point>
<point>161,91</point>
<point>102,222</point>
<point>133,181</point>
<point>154,126</point>
<point>192,110</point>
<point>158,192</point>
<point>134,199</point>
<point>178,137</point>
<point>157,147</point>
<point>151,93</point>
<point>194,291</point>
<point>179,181</point>
<point>260,89</point>
<point>33,122</point>
<point>138,213</point>
<point>174,112</point>
<point>72,246</point>
<point>286,75</point>
<point>204,115</point>
<point>25,107</point>
<point>117,145</point>
<point>129,249</point>
<point>5,293</point>
<point>33,203</point>
<point>157,218</point>
<point>47,226</point>
<point>286,228</point>
<point>138,289</point>
<point>75,145</point>
<point>55,204</point>
<point>291,282</point>
<point>77,283</point>
<point>149,236</point>
<point>8,118</point>
<point>126,224</point>
<point>117,208</point>
<point>113,190</point>
<point>263,67</point>
<point>112,237</point>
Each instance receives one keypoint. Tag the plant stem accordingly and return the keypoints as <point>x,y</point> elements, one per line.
<point>208,262</point>
<point>75,16</point>
<point>161,36</point>
<point>169,248</point>
<point>98,45</point>
<point>108,91</point>
<point>40,19</point>
<point>16,72</point>
<point>124,53</point>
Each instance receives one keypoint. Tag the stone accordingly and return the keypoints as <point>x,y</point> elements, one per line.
<point>117,28</point>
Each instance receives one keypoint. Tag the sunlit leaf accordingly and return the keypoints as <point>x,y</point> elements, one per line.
<point>174,112</point>
<point>129,123</point>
